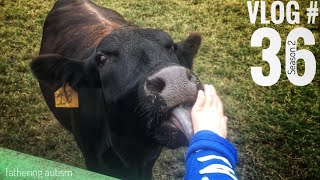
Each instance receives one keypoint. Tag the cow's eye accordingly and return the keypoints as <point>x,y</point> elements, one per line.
<point>101,59</point>
<point>172,47</point>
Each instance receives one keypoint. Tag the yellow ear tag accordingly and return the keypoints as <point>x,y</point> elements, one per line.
<point>66,97</point>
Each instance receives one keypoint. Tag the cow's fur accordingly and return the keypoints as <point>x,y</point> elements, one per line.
<point>119,129</point>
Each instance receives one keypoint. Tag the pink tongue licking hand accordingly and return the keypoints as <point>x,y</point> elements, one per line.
<point>183,115</point>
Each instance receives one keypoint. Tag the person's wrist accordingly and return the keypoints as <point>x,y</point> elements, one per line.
<point>212,129</point>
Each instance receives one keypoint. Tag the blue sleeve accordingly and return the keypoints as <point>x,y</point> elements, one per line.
<point>210,156</point>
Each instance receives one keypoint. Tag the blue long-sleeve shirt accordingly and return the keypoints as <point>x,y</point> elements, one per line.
<point>210,156</point>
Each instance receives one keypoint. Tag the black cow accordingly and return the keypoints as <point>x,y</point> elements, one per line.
<point>135,86</point>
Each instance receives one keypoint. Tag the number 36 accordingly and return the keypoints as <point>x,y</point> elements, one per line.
<point>292,55</point>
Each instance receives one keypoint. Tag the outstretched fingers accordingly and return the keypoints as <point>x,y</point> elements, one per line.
<point>201,99</point>
<point>209,91</point>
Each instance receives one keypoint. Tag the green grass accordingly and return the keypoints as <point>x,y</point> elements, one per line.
<point>275,129</point>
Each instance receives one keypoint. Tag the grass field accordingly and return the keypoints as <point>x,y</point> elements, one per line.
<point>275,129</point>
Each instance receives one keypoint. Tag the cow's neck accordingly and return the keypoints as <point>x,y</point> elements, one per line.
<point>132,150</point>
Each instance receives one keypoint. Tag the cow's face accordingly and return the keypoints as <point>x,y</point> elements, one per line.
<point>148,62</point>
<point>143,62</point>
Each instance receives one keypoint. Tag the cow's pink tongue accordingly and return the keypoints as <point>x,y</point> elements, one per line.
<point>183,115</point>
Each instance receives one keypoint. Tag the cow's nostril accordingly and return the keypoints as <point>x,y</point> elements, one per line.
<point>191,77</point>
<point>155,85</point>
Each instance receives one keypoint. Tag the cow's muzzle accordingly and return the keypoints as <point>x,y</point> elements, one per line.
<point>178,87</point>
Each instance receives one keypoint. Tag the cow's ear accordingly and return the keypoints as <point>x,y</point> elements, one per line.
<point>54,69</point>
<point>187,49</point>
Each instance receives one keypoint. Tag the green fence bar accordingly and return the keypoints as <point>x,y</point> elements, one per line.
<point>15,165</point>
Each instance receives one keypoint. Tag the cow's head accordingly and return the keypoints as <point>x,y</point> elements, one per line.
<point>145,62</point>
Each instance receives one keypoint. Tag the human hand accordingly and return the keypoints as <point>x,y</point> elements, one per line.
<point>207,112</point>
